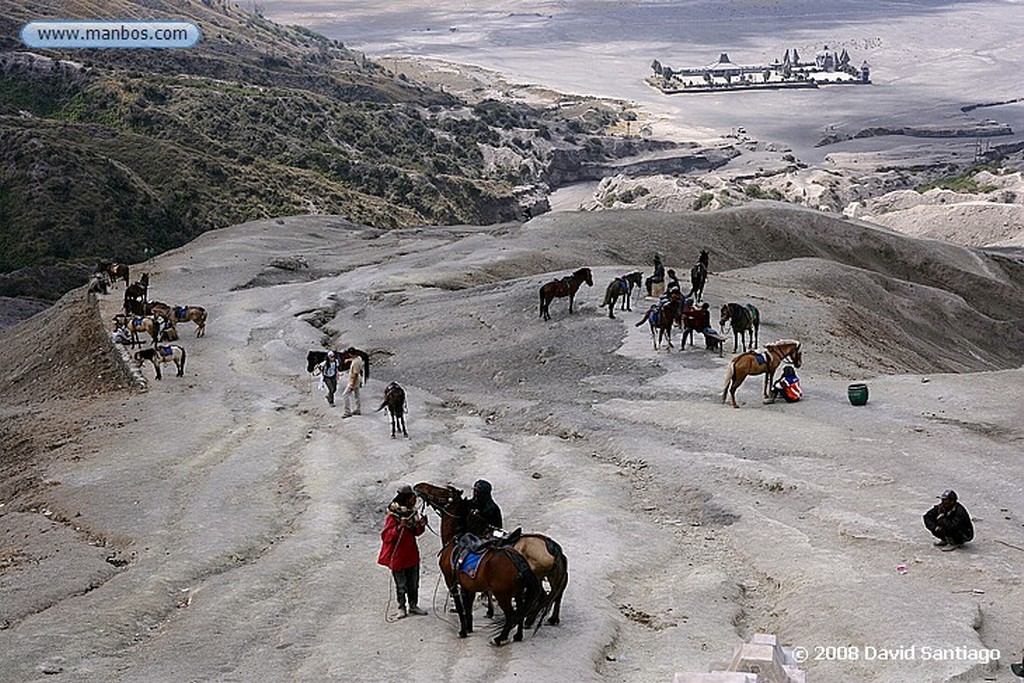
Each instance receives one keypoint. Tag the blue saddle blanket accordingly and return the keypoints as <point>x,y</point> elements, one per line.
<point>469,563</point>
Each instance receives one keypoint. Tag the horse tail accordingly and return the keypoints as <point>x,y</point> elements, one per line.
<point>382,404</point>
<point>182,358</point>
<point>730,375</point>
<point>542,301</point>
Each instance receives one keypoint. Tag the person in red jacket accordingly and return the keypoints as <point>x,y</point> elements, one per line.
<point>787,386</point>
<point>399,551</point>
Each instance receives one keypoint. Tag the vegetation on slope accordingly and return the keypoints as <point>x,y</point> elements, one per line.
<point>116,154</point>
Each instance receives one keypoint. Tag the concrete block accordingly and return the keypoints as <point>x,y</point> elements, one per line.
<point>716,677</point>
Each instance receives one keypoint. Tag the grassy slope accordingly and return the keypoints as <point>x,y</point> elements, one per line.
<point>144,149</point>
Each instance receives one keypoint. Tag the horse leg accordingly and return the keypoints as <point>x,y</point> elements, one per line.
<point>736,382</point>
<point>156,366</point>
<point>571,298</point>
<point>401,419</point>
<point>511,619</point>
<point>460,607</point>
<point>611,309</point>
<point>490,606</point>
<point>467,602</point>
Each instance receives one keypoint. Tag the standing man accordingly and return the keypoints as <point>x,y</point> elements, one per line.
<point>483,506</point>
<point>949,522</point>
<point>355,380</point>
<point>328,369</point>
<point>399,551</point>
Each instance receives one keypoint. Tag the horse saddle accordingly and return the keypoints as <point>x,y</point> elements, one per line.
<point>469,550</point>
<point>180,312</point>
<point>761,355</point>
<point>623,284</point>
<point>137,322</point>
<point>166,350</point>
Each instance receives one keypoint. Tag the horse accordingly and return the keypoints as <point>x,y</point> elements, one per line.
<point>661,317</point>
<point>135,296</point>
<point>315,358</point>
<point>193,314</point>
<point>690,320</point>
<point>501,571</point>
<point>755,363</point>
<point>743,319</point>
<point>152,325</point>
<point>698,277</point>
<point>160,354</point>
<point>113,271</point>
<point>394,401</point>
<point>567,286</point>
<point>621,287</point>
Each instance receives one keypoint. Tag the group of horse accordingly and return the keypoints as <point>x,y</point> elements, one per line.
<point>511,570</point>
<point>677,310</point>
<point>155,318</point>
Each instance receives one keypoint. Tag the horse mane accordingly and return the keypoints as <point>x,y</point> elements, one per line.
<point>580,272</point>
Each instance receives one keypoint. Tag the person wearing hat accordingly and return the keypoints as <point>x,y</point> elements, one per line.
<point>399,551</point>
<point>949,522</point>
<point>328,369</point>
<point>658,276</point>
<point>482,505</point>
<point>787,386</point>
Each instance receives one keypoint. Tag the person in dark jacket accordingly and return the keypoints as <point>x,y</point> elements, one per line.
<point>658,276</point>
<point>483,506</point>
<point>399,551</point>
<point>949,522</point>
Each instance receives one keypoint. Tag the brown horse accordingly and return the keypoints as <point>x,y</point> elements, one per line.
<point>743,319</point>
<point>501,571</point>
<point>759,362</point>
<point>113,271</point>
<point>394,401</point>
<point>152,325</point>
<point>567,286</point>
<point>661,317</point>
<point>136,295</point>
<point>190,314</point>
<point>622,287</point>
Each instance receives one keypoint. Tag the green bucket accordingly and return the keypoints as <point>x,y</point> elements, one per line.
<point>858,394</point>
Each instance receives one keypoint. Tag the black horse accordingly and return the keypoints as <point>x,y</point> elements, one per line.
<point>394,401</point>
<point>315,358</point>
<point>699,276</point>
<point>743,319</point>
<point>622,287</point>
